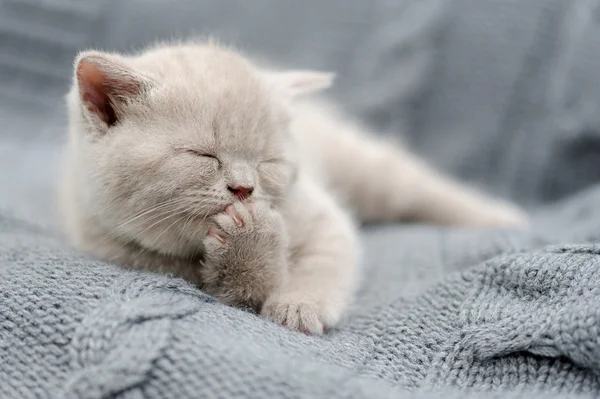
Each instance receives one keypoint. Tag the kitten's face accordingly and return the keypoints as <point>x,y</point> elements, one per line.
<point>177,155</point>
<point>163,152</point>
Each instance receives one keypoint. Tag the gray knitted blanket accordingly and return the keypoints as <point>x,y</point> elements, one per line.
<point>501,93</point>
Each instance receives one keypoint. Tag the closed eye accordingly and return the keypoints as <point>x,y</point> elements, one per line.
<point>198,153</point>
<point>275,160</point>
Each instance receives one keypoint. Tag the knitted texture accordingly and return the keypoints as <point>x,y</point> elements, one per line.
<point>502,93</point>
<point>520,322</point>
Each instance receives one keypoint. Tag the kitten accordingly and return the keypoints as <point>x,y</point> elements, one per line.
<point>194,161</point>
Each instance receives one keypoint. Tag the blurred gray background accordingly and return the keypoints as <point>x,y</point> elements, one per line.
<point>501,93</point>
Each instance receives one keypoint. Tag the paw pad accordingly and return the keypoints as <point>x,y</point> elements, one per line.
<point>213,232</point>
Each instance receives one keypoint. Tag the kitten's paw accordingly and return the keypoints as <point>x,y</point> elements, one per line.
<point>243,219</point>
<point>244,254</point>
<point>296,313</point>
<point>236,219</point>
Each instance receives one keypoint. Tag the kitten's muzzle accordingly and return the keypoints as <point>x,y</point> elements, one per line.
<point>241,192</point>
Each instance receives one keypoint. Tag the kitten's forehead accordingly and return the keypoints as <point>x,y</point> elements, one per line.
<point>229,106</point>
<point>205,71</point>
<point>208,93</point>
<point>236,116</point>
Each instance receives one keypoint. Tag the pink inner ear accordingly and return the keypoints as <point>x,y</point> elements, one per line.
<point>94,89</point>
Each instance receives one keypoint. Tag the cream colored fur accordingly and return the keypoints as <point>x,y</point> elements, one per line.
<point>146,184</point>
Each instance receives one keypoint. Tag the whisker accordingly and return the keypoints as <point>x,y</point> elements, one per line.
<point>165,204</point>
<point>181,230</point>
<point>171,207</point>
<point>163,232</point>
<point>103,209</point>
<point>164,209</point>
<point>149,227</point>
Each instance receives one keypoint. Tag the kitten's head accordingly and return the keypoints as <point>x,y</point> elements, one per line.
<point>166,139</point>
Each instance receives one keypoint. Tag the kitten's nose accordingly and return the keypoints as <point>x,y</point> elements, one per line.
<point>241,192</point>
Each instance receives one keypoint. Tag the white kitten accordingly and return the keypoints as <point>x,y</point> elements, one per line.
<point>193,161</point>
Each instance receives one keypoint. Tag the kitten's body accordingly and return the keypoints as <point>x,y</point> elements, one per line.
<point>191,160</point>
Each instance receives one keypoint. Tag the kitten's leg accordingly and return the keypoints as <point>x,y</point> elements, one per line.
<point>322,266</point>
<point>245,254</point>
<point>381,181</point>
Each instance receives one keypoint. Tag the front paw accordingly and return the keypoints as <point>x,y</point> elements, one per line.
<point>298,312</point>
<point>237,220</point>
<point>241,229</point>
<point>244,253</point>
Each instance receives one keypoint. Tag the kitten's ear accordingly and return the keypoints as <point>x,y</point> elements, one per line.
<point>298,83</point>
<point>105,84</point>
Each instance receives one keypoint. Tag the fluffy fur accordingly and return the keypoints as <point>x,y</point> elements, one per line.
<point>194,161</point>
